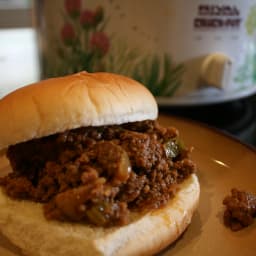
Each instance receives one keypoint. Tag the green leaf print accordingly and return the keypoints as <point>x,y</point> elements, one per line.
<point>251,21</point>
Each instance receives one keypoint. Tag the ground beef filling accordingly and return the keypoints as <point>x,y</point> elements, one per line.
<point>240,209</point>
<point>99,175</point>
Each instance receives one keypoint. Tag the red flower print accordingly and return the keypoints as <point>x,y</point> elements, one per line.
<point>87,19</point>
<point>100,43</point>
<point>68,35</point>
<point>73,7</point>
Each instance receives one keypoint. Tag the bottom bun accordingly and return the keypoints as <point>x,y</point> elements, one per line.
<point>24,224</point>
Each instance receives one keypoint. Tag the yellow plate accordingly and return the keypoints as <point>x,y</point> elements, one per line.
<point>223,163</point>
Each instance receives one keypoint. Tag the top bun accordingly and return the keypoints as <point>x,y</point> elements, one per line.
<point>83,99</point>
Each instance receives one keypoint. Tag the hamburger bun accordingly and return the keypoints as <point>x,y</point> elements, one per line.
<point>82,99</point>
<point>145,235</point>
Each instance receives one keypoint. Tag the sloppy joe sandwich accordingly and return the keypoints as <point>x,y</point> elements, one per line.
<point>92,172</point>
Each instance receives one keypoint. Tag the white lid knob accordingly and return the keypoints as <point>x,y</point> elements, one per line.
<point>216,70</point>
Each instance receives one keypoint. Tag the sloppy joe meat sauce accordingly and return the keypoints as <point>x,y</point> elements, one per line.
<point>98,175</point>
<point>240,209</point>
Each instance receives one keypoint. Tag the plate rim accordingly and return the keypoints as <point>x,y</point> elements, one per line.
<point>210,128</point>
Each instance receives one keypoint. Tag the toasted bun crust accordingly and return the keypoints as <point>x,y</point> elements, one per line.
<point>24,224</point>
<point>82,99</point>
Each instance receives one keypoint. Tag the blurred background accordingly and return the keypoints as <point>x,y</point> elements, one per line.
<point>23,38</point>
<point>19,63</point>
